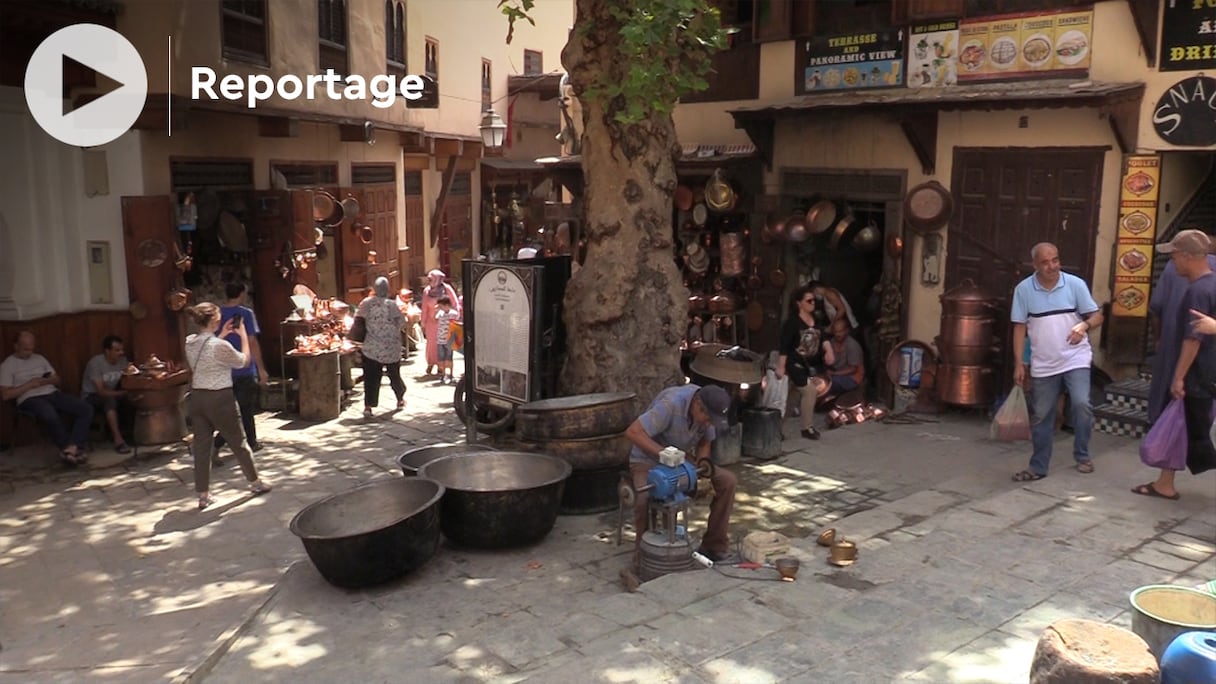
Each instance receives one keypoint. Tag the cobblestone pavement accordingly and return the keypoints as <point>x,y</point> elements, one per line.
<point>109,573</point>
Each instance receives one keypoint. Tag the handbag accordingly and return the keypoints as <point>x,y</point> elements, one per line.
<point>1012,421</point>
<point>1165,444</point>
<point>358,330</point>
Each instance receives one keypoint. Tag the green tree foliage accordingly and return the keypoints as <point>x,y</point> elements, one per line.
<point>665,46</point>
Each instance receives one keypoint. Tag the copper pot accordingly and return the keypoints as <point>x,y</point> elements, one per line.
<point>967,331</point>
<point>683,198</point>
<point>795,228</point>
<point>722,303</point>
<point>968,355</point>
<point>965,385</point>
<point>968,299</point>
<point>776,227</point>
<point>730,246</point>
<point>821,216</point>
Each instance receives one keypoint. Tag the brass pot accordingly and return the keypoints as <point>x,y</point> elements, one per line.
<point>842,553</point>
<point>965,385</point>
<point>719,195</point>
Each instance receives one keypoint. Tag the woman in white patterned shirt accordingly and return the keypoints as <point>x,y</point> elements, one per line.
<point>382,346</point>
<point>212,404</point>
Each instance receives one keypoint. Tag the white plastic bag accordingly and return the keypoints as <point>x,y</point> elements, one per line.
<point>1012,421</point>
<point>776,392</point>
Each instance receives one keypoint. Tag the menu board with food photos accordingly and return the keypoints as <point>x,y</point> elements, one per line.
<point>1018,46</point>
<point>933,54</point>
<point>1138,194</point>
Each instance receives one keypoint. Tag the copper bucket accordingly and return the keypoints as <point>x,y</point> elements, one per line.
<point>731,249</point>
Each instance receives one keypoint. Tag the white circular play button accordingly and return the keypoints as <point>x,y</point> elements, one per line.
<point>109,54</point>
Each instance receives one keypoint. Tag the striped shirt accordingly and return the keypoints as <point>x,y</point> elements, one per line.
<point>668,422</point>
<point>1049,316</point>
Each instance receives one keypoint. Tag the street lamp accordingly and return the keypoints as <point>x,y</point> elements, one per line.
<point>493,129</point>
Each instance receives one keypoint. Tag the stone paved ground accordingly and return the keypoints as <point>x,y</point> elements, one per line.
<point>111,574</point>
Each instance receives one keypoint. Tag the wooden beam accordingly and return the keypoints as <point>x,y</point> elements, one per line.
<point>472,150</point>
<point>448,147</point>
<point>1124,120</point>
<point>761,133</point>
<point>278,127</point>
<point>413,143</point>
<point>416,162</point>
<point>920,128</point>
<point>351,133</point>
<point>448,174</point>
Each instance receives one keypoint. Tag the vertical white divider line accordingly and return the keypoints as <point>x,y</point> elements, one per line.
<point>169,78</point>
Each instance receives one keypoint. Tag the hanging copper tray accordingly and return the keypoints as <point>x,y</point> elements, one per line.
<point>928,207</point>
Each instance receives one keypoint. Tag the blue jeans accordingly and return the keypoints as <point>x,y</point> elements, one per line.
<point>46,409</point>
<point>1045,395</point>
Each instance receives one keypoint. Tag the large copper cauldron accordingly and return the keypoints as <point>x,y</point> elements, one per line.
<point>968,345</point>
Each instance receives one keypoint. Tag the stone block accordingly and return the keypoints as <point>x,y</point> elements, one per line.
<point>1076,651</point>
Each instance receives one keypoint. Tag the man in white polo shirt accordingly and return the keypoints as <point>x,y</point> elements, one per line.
<point>1057,311</point>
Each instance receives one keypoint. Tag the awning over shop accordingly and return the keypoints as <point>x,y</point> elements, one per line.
<point>916,108</point>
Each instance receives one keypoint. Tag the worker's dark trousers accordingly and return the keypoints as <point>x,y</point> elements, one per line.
<point>717,537</point>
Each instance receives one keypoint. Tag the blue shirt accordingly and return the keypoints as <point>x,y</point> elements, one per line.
<point>668,422</point>
<point>250,321</point>
<point>1049,315</point>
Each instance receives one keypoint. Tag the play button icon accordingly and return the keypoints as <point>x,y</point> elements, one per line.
<point>99,49</point>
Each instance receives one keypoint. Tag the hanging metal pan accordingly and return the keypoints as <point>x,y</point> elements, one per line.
<point>928,207</point>
<point>350,208</point>
<point>843,227</point>
<point>683,198</point>
<point>325,208</point>
<point>821,216</point>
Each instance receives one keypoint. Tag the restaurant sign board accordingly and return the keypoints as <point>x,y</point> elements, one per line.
<point>1020,46</point>
<point>1138,196</point>
<point>1186,113</point>
<point>1188,35</point>
<point>933,54</point>
<point>850,62</point>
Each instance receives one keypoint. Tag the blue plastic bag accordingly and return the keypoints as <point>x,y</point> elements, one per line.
<point>1165,444</point>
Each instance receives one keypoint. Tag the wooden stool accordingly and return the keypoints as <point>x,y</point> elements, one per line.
<point>1075,651</point>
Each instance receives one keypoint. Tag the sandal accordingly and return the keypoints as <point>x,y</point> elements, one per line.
<point>1027,476</point>
<point>259,488</point>
<point>1085,467</point>
<point>204,500</point>
<point>1150,490</point>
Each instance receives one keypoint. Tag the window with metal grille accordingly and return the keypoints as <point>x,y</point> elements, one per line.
<point>432,59</point>
<point>243,30</point>
<point>487,84</point>
<point>306,175</point>
<point>191,174</point>
<point>413,183</point>
<point>372,174</point>
<point>394,37</point>
<point>462,184</point>
<point>534,63</point>
<point>331,33</point>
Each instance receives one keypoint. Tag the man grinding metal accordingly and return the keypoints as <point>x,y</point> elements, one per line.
<point>688,418</point>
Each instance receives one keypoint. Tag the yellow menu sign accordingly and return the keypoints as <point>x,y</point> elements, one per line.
<point>1025,45</point>
<point>1138,193</point>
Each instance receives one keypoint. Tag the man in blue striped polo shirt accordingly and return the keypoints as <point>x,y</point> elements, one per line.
<point>1057,311</point>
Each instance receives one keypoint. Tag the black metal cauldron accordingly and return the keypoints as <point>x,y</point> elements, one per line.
<point>415,458</point>
<point>373,533</point>
<point>498,499</point>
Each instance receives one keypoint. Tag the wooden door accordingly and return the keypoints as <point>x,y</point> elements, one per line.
<point>378,211</point>
<point>149,236</point>
<point>457,226</point>
<point>282,222</point>
<point>414,271</point>
<point>1012,199</point>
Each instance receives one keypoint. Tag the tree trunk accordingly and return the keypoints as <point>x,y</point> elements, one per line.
<point>626,308</point>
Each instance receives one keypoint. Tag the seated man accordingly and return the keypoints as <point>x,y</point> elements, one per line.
<point>848,369</point>
<point>30,379</point>
<point>688,418</point>
<point>99,386</point>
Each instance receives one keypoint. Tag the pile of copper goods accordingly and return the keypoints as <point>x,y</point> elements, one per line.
<point>969,346</point>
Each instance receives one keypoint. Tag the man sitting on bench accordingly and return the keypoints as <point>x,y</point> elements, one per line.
<point>100,387</point>
<point>30,379</point>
